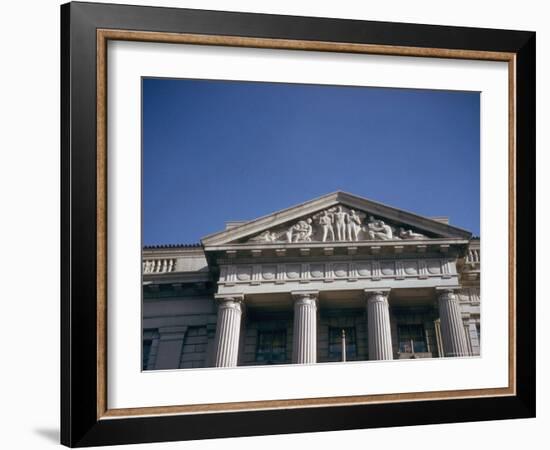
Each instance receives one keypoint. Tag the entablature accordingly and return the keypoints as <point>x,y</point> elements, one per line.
<point>322,275</point>
<point>454,248</point>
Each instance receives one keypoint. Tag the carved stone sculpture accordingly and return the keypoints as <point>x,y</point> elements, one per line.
<point>306,230</point>
<point>377,229</point>
<point>337,223</point>
<point>409,234</point>
<point>326,221</point>
<point>300,232</point>
<point>354,226</point>
<point>266,236</point>
<point>341,219</point>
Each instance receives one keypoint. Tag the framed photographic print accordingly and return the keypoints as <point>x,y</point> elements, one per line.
<point>276,224</point>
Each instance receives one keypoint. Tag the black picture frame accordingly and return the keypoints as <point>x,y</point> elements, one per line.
<point>80,425</point>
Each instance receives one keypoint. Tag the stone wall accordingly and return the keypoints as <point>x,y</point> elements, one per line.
<point>180,321</point>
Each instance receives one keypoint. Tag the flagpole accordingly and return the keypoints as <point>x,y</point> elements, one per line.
<point>343,345</point>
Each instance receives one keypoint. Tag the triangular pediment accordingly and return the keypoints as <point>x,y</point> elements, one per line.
<point>336,217</point>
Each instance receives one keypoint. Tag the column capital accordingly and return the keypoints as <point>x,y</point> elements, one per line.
<point>305,296</point>
<point>229,297</point>
<point>234,301</point>
<point>451,289</point>
<point>446,293</point>
<point>380,294</point>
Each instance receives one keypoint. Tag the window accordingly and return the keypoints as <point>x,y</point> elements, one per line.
<point>412,338</point>
<point>335,343</point>
<point>271,346</point>
<point>147,344</point>
<point>149,348</point>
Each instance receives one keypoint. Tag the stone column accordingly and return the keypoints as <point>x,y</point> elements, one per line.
<point>379,330</point>
<point>474,339</point>
<point>228,330</point>
<point>452,328</point>
<point>305,327</point>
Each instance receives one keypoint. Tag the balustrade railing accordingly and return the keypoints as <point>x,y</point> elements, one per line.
<point>161,265</point>
<point>473,256</point>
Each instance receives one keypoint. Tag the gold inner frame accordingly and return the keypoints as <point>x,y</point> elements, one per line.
<point>104,35</point>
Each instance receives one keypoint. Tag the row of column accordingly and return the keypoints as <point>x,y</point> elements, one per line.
<point>305,327</point>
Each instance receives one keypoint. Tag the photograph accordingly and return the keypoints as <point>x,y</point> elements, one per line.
<point>289,223</point>
<point>273,224</point>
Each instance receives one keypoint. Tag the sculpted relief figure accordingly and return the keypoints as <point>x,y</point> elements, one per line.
<point>409,234</point>
<point>337,223</point>
<point>341,219</point>
<point>300,232</point>
<point>377,229</point>
<point>326,224</point>
<point>266,236</point>
<point>306,230</point>
<point>354,226</point>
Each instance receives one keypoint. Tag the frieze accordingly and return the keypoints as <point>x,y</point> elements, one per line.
<point>337,224</point>
<point>232,274</point>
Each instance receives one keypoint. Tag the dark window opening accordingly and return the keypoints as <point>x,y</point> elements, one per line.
<point>147,344</point>
<point>412,338</point>
<point>271,346</point>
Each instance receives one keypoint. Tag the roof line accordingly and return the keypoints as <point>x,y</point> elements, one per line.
<point>193,245</point>
<point>280,211</point>
<point>338,195</point>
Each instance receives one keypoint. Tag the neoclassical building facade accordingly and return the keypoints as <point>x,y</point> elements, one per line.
<point>338,278</point>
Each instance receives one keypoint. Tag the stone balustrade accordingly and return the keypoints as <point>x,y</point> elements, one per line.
<point>473,256</point>
<point>159,265</point>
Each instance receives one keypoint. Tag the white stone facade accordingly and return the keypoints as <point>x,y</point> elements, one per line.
<point>285,288</point>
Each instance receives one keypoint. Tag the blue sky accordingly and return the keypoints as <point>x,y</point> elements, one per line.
<point>217,151</point>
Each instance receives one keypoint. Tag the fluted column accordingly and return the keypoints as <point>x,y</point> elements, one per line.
<point>452,328</point>
<point>305,327</point>
<point>228,329</point>
<point>378,312</point>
